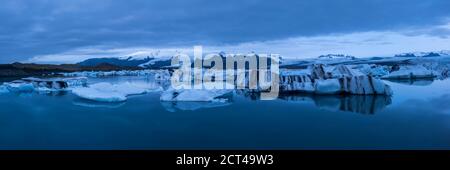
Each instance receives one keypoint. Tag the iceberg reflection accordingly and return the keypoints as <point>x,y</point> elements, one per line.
<point>365,104</point>
<point>94,104</point>
<point>191,106</point>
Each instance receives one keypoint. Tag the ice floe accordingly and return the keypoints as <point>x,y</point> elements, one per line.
<point>107,92</point>
<point>412,72</point>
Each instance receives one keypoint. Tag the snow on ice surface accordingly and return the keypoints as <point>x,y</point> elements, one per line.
<point>106,92</point>
<point>153,61</point>
<point>411,72</point>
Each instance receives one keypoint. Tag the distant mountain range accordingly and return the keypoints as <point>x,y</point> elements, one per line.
<point>136,63</point>
<point>147,62</point>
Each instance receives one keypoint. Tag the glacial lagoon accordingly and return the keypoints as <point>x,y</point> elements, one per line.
<point>417,116</point>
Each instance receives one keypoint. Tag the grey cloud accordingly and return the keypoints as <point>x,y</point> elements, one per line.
<point>29,28</point>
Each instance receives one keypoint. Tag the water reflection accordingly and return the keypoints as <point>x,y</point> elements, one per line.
<point>94,104</point>
<point>365,104</point>
<point>191,106</point>
<point>439,104</point>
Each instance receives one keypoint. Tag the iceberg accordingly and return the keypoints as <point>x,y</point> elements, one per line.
<point>106,92</point>
<point>3,89</point>
<point>332,80</point>
<point>31,84</point>
<point>19,86</point>
<point>411,72</point>
<point>56,83</point>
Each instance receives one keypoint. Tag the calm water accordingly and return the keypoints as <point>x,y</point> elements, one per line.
<point>416,117</point>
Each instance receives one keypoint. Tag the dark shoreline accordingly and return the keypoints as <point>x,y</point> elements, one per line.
<point>25,70</point>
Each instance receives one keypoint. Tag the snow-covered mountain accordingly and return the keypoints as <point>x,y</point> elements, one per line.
<point>424,54</point>
<point>337,56</point>
<point>143,62</point>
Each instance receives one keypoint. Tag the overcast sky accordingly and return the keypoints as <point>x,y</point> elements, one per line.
<point>55,31</point>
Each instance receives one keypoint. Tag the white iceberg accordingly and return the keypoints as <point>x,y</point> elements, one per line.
<point>106,92</point>
<point>411,72</point>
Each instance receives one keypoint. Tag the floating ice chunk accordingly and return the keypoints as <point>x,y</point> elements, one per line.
<point>19,86</point>
<point>329,86</point>
<point>54,84</point>
<point>411,72</point>
<point>97,95</point>
<point>106,92</point>
<point>3,89</point>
